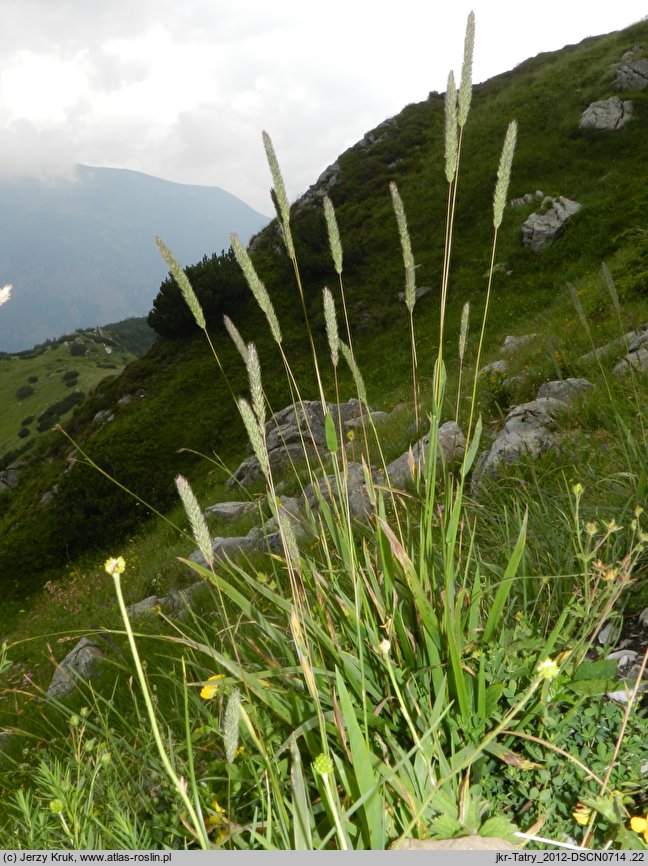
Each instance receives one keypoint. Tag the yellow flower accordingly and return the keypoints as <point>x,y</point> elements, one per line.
<point>208,692</point>
<point>640,825</point>
<point>581,814</point>
<point>115,566</point>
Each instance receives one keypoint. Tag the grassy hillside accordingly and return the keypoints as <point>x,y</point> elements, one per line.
<point>41,386</point>
<point>188,407</point>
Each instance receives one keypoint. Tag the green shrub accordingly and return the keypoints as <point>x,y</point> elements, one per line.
<point>24,391</point>
<point>77,349</point>
<point>51,415</point>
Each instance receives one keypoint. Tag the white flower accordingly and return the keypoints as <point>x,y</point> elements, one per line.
<point>5,294</point>
<point>547,669</point>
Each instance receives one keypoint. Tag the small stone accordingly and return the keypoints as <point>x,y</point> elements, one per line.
<point>229,511</point>
<point>604,634</point>
<point>511,344</point>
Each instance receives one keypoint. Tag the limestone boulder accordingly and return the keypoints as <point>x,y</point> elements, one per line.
<point>512,344</point>
<point>636,357</point>
<point>540,229</point>
<point>616,346</point>
<point>228,546</point>
<point>565,390</point>
<point>452,443</point>
<point>9,476</point>
<point>529,431</point>
<point>230,511</point>
<point>607,114</point>
<point>499,367</point>
<point>81,663</point>
<point>357,493</point>
<point>632,74</point>
<point>296,430</point>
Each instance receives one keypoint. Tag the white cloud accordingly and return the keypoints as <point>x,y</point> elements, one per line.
<point>183,90</point>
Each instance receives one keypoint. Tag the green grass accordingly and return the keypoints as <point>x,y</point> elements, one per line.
<point>429,670</point>
<point>32,382</point>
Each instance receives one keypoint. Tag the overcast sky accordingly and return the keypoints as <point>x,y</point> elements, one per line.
<point>181,89</point>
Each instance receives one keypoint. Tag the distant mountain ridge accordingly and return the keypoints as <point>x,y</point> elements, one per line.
<point>81,252</point>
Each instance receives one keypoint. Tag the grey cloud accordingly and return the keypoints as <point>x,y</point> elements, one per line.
<point>28,151</point>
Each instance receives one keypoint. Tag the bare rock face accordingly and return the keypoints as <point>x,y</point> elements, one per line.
<point>322,186</point>
<point>540,229</point>
<point>356,493</point>
<point>607,114</point>
<point>632,74</point>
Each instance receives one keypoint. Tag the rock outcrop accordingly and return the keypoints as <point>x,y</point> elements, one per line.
<point>294,430</point>
<point>9,476</point>
<point>81,663</point>
<point>540,229</point>
<point>229,511</point>
<point>322,186</point>
<point>527,198</point>
<point>607,114</point>
<point>512,344</point>
<point>529,429</point>
<point>632,74</point>
<point>451,441</point>
<point>636,357</point>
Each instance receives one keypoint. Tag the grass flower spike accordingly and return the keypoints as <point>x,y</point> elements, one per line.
<point>451,130</point>
<point>183,283</point>
<point>504,174</point>
<point>196,518</point>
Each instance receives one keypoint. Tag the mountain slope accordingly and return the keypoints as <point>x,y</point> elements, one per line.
<point>81,251</point>
<point>41,386</point>
<point>187,404</point>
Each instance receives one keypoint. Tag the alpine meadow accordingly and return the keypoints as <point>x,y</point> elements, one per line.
<point>354,555</point>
